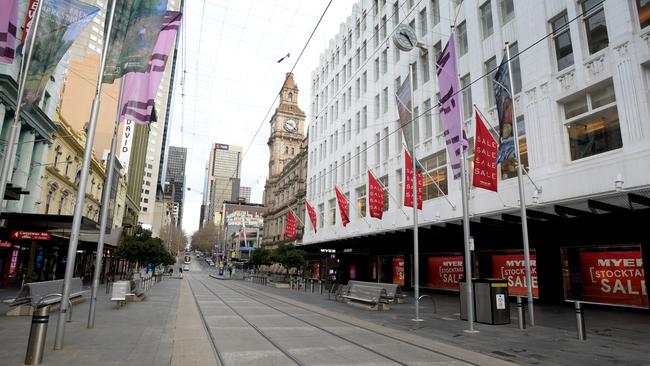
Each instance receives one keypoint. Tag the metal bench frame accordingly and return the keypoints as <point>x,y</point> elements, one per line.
<point>393,291</point>
<point>32,293</point>
<point>374,296</point>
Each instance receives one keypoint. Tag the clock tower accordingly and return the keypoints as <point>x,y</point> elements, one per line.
<point>287,129</point>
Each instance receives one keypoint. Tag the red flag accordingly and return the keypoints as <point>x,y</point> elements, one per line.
<point>375,197</point>
<point>343,207</point>
<point>485,158</point>
<point>408,187</point>
<point>290,228</point>
<point>312,215</point>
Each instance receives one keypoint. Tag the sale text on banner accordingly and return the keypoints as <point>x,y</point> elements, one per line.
<point>445,272</point>
<point>511,268</point>
<point>398,270</point>
<point>615,277</point>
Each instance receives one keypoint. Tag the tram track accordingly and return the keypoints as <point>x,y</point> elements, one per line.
<point>451,356</point>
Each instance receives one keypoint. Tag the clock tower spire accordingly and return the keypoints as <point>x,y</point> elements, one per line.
<point>287,128</point>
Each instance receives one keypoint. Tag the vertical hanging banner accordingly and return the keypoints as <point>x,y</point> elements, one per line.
<point>503,96</point>
<point>29,17</point>
<point>60,24</point>
<point>408,179</point>
<point>404,106</point>
<point>375,197</point>
<point>140,88</point>
<point>136,26</point>
<point>398,270</point>
<point>127,142</point>
<point>343,207</point>
<point>8,30</point>
<point>290,227</point>
<point>485,158</point>
<point>450,106</point>
<point>312,215</point>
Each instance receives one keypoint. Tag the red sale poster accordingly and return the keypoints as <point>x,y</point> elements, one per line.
<point>398,270</point>
<point>315,271</point>
<point>445,272</point>
<point>511,268</point>
<point>613,278</point>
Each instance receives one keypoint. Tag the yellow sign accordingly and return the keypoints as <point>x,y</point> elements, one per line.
<point>233,254</point>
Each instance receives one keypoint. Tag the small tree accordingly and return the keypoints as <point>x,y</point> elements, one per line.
<point>141,248</point>
<point>288,256</point>
<point>260,256</point>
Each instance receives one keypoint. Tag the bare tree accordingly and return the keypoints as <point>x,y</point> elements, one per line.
<point>206,237</point>
<point>178,238</point>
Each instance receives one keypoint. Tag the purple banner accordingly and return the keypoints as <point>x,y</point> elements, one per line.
<point>8,29</point>
<point>450,106</point>
<point>140,88</point>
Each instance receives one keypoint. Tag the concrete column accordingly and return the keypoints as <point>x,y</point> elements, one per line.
<point>3,111</point>
<point>4,136</point>
<point>22,167</point>
<point>34,185</point>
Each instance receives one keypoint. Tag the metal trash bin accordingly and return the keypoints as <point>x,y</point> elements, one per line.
<point>492,302</point>
<point>37,335</point>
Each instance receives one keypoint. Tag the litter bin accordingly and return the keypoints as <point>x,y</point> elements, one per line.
<point>491,303</point>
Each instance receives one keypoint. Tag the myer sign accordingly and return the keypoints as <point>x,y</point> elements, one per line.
<point>127,141</point>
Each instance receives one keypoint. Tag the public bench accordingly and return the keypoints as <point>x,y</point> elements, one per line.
<point>393,291</point>
<point>371,297</point>
<point>31,293</point>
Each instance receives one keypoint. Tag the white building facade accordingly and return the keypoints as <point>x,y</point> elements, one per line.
<point>581,98</point>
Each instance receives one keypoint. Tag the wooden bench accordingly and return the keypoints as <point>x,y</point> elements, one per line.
<point>30,295</point>
<point>371,297</point>
<point>393,291</point>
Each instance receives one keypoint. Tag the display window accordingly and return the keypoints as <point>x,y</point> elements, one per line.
<point>609,275</point>
<point>511,267</point>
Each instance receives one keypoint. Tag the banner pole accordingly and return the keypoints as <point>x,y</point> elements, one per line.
<point>81,191</point>
<point>522,198</point>
<point>466,241</point>
<point>106,200</point>
<point>10,147</point>
<point>416,244</point>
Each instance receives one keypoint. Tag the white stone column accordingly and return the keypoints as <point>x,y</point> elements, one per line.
<point>627,84</point>
<point>35,181</point>
<point>22,167</point>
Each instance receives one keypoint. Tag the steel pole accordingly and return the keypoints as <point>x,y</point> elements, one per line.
<point>106,201</point>
<point>416,244</point>
<point>81,191</point>
<point>468,253</point>
<point>10,148</point>
<point>522,199</point>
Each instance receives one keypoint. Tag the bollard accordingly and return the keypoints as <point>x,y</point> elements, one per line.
<point>580,321</point>
<point>37,335</point>
<point>311,285</point>
<point>521,313</point>
<point>320,286</point>
<point>304,281</point>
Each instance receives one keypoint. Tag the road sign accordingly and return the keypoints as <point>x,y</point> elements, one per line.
<point>30,235</point>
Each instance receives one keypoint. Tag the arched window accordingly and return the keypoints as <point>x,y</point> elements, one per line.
<point>292,151</point>
<point>64,196</point>
<point>286,150</point>
<point>57,153</point>
<point>68,161</point>
<point>290,97</point>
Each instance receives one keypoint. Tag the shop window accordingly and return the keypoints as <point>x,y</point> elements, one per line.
<point>509,167</point>
<point>592,123</point>
<point>562,41</point>
<point>436,173</point>
<point>361,201</point>
<point>595,25</point>
<point>643,10</point>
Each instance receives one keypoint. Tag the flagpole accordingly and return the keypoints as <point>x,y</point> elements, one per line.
<point>106,200</point>
<point>522,198</point>
<point>10,148</point>
<point>81,190</point>
<point>416,244</point>
<point>296,215</point>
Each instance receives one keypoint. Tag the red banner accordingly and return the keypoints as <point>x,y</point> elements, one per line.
<point>290,228</point>
<point>613,278</point>
<point>375,197</point>
<point>445,272</point>
<point>315,270</point>
<point>398,270</point>
<point>31,11</point>
<point>31,235</point>
<point>343,207</point>
<point>485,158</point>
<point>13,262</point>
<point>408,178</point>
<point>511,268</point>
<point>312,215</point>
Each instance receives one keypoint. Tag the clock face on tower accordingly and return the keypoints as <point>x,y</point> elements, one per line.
<point>290,125</point>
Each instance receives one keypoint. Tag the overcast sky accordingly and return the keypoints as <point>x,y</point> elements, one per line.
<point>232,77</point>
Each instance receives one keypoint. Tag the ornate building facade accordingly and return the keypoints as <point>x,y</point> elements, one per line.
<point>285,187</point>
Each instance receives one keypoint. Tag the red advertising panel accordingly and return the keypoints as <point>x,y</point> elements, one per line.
<point>445,272</point>
<point>315,270</point>
<point>614,277</point>
<point>511,268</point>
<point>398,270</point>
<point>353,272</point>
<point>13,262</point>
